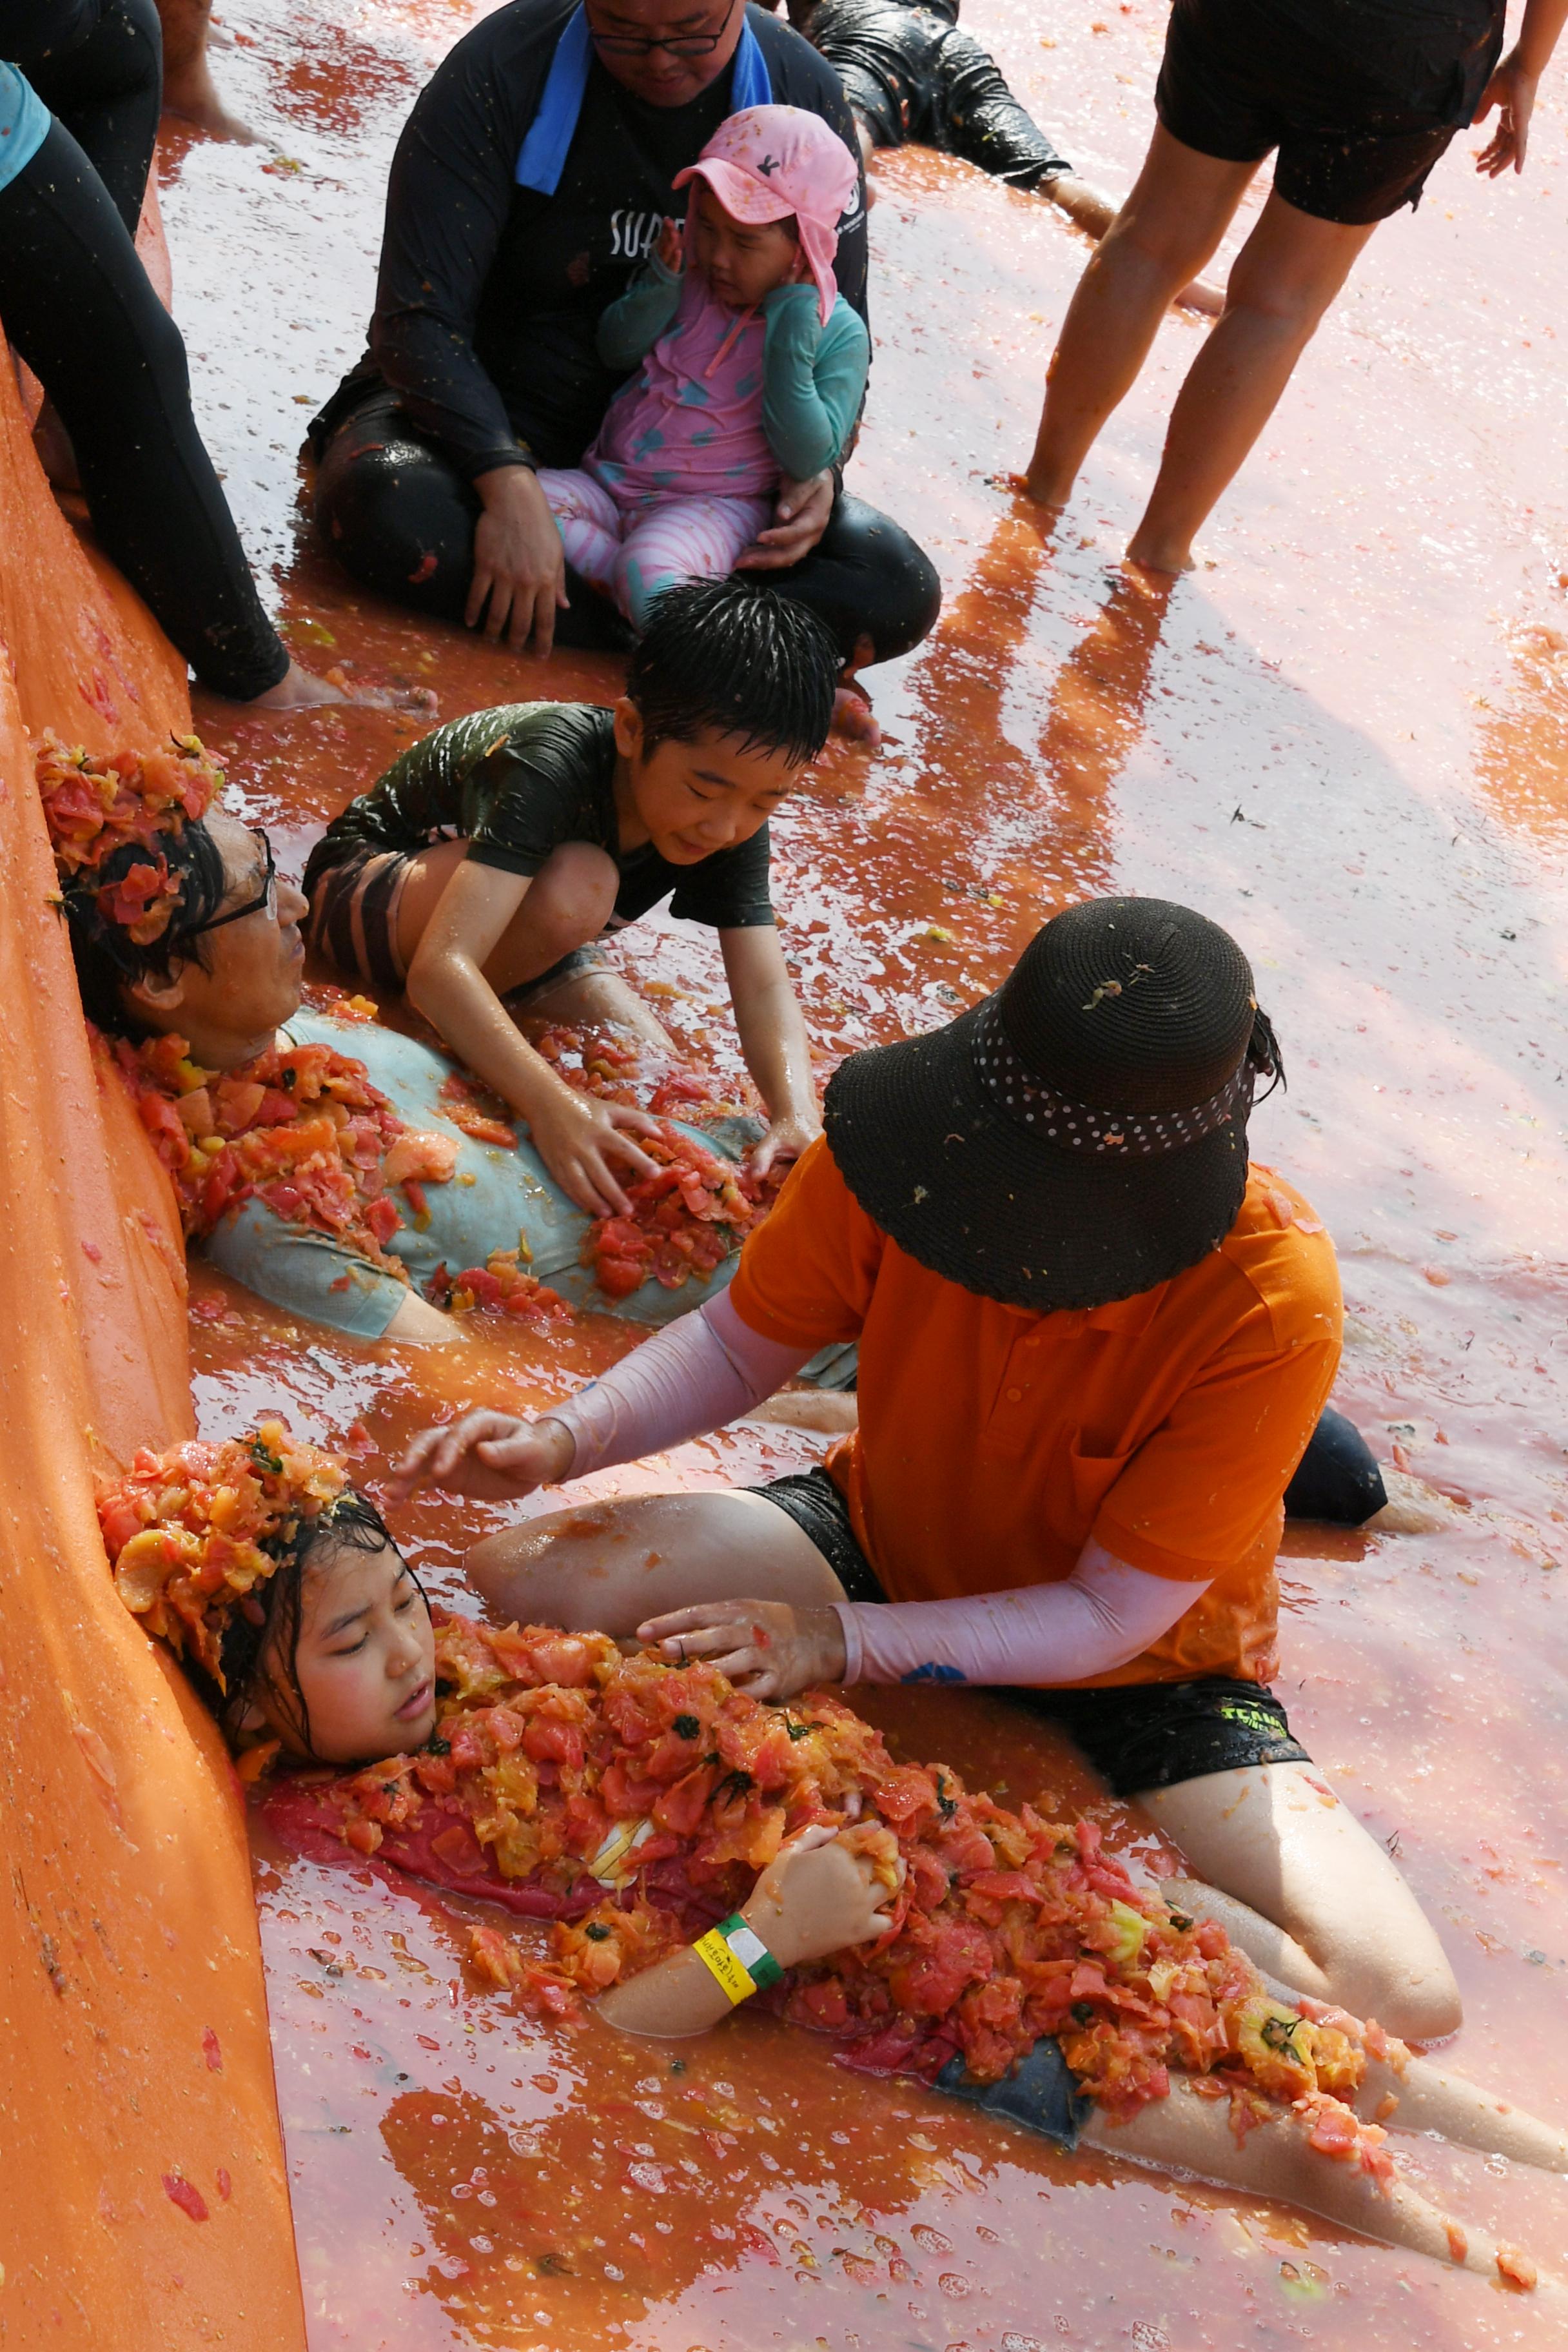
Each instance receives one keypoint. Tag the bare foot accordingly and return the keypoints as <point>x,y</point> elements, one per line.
<point>852,717</point>
<point>1413,1507</point>
<point>826,1413</point>
<point>1160,555</point>
<point>1200,296</point>
<point>297,689</point>
<point>191,93</point>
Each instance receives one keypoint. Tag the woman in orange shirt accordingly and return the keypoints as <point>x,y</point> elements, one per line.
<point>1094,1343</point>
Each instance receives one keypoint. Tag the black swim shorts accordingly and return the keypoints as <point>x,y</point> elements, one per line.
<point>1136,1736</point>
<point>1359,97</point>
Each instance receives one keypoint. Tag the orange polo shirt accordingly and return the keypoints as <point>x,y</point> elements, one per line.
<point>993,1441</point>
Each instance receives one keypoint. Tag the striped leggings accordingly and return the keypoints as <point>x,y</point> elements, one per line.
<point>631,553</point>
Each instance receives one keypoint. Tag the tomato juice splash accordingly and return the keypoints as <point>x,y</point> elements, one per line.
<point>1348,742</point>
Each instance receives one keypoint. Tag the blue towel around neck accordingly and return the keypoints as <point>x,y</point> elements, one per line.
<point>542,156</point>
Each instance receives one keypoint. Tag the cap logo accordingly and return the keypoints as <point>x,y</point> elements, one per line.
<point>768,166</point>
<point>1017,1093</point>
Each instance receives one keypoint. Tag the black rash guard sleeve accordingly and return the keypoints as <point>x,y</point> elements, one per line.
<point>448,201</point>
<point>451,194</point>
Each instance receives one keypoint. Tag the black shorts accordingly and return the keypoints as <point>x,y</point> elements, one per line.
<point>1136,1736</point>
<point>1359,97</point>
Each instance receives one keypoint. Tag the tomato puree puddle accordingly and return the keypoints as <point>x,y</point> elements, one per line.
<point>1349,741</point>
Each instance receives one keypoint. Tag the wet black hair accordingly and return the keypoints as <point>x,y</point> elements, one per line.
<point>735,657</point>
<point>1263,1055</point>
<point>108,959</point>
<point>260,1648</point>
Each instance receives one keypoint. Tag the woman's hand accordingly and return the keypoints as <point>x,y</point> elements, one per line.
<point>764,1647</point>
<point>786,1139</point>
<point>578,1137</point>
<point>520,564</point>
<point>1512,92</point>
<point>800,517</point>
<point>487,1455</point>
<point>816,1898</point>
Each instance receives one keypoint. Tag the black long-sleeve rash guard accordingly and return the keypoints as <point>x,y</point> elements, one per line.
<point>490,294</point>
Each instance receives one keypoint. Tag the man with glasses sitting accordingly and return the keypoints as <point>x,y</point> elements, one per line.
<point>531,180</point>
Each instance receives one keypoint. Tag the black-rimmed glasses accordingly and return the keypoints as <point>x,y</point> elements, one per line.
<point>681,45</point>
<point>266,897</point>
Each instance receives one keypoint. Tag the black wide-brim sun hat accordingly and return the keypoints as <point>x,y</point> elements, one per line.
<point>1081,1134</point>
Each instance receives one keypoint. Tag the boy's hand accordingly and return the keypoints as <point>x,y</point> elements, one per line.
<point>786,1139</point>
<point>487,1455</point>
<point>670,250</point>
<point>578,1138</point>
<point>764,1647</point>
<point>816,1898</point>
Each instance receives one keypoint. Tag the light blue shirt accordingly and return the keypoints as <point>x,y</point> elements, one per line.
<point>23,123</point>
<point>510,1197</point>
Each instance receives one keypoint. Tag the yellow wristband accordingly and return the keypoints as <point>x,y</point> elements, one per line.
<point>736,1978</point>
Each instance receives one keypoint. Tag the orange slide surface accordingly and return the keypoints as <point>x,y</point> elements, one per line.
<point>142,2195</point>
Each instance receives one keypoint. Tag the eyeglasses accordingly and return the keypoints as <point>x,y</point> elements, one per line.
<point>266,897</point>
<point>682,45</point>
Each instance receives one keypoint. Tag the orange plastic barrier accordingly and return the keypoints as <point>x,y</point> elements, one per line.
<point>142,2194</point>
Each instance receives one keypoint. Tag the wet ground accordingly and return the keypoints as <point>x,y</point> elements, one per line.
<point>1346,737</point>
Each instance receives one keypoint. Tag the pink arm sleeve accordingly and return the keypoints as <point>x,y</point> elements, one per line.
<point>1104,1613</point>
<point>705,1370</point>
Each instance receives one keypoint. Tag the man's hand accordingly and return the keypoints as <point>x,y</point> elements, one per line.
<point>578,1137</point>
<point>800,517</point>
<point>487,1455</point>
<point>520,564</point>
<point>815,1899</point>
<point>764,1647</point>
<point>1512,92</point>
<point>786,1139</point>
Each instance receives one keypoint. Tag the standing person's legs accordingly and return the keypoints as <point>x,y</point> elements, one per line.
<point>681,539</point>
<point>1169,227</point>
<point>1284,278</point>
<point>189,90</point>
<point>108,92</point>
<point>78,306</point>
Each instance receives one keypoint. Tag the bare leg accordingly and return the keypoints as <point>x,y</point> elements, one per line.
<point>597,999</point>
<point>608,1566</point>
<point>1422,2096</point>
<point>1088,209</point>
<point>1285,277</point>
<point>1169,227</point>
<point>1316,1900</point>
<point>189,90</point>
<point>1193,2134</point>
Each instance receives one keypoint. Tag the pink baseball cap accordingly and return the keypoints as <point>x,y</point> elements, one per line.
<point>770,162</point>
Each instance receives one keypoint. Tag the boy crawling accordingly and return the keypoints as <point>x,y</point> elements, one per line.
<point>697,1848</point>
<point>489,858</point>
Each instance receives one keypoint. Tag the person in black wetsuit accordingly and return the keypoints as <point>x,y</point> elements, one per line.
<point>81,118</point>
<point>1358,100</point>
<point>912,76</point>
<point>530,182</point>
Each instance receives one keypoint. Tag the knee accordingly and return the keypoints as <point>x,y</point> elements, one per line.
<point>1337,1478</point>
<point>1417,1999</point>
<point>874,581</point>
<point>391,518</point>
<point>1281,305</point>
<point>570,897</point>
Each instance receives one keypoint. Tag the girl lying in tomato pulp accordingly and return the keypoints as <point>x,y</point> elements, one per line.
<point>692,1846</point>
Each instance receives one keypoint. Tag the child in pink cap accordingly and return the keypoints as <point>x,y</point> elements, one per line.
<point>752,365</point>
